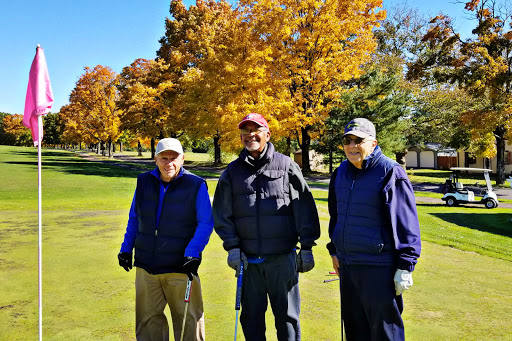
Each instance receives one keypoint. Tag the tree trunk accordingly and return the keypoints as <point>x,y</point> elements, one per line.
<point>500,155</point>
<point>216,150</point>
<point>288,150</point>
<point>139,148</point>
<point>152,148</point>
<point>306,142</point>
<point>110,146</point>
<point>400,158</point>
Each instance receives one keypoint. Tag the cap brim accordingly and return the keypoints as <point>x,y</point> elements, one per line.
<point>169,149</point>
<point>245,121</point>
<point>357,133</point>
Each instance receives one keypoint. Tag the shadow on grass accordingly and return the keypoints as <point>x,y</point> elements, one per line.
<point>496,223</point>
<point>66,161</point>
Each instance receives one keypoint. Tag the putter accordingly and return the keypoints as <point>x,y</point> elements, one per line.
<point>187,300</point>
<point>341,309</point>
<point>238,296</point>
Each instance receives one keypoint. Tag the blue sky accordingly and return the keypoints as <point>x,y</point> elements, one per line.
<point>79,33</point>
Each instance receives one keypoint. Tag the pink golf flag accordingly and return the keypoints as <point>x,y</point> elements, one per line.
<point>39,98</point>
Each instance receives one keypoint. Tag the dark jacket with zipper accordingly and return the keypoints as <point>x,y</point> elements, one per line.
<point>373,214</point>
<point>264,207</point>
<point>160,248</point>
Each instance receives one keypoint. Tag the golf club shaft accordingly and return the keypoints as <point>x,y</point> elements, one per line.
<point>187,300</point>
<point>238,298</point>
<point>331,280</point>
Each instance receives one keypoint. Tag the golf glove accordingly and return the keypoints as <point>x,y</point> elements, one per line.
<point>403,281</point>
<point>190,265</point>
<point>125,260</point>
<point>236,259</point>
<point>305,260</point>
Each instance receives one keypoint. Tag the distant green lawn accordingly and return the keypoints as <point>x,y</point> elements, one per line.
<point>462,284</point>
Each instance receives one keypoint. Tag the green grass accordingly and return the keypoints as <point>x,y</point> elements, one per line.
<point>462,284</point>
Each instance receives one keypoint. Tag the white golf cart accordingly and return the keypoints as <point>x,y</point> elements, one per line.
<point>455,193</point>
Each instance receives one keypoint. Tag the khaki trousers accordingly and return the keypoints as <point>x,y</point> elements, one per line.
<point>153,293</point>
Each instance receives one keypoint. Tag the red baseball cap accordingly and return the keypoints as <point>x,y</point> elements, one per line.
<point>256,118</point>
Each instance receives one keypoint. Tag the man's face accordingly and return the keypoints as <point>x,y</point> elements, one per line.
<point>169,163</point>
<point>358,149</point>
<point>254,137</point>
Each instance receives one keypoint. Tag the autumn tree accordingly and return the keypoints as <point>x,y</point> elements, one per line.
<point>481,66</point>
<point>311,48</point>
<point>220,72</point>
<point>14,130</point>
<point>145,89</point>
<point>93,115</point>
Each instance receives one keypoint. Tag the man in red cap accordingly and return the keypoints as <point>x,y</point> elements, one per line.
<point>262,208</point>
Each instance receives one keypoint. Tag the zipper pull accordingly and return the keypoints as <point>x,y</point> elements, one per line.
<point>352,187</point>
<point>156,233</point>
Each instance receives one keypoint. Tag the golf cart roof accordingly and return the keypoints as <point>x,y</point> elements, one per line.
<point>470,169</point>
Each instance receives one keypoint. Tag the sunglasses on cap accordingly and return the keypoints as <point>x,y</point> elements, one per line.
<point>357,140</point>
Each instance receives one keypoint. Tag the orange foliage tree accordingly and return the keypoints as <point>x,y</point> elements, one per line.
<point>220,75</point>
<point>16,131</point>
<point>93,115</point>
<point>145,89</point>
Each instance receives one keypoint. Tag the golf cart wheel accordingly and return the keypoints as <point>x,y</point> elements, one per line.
<point>451,201</point>
<point>491,203</point>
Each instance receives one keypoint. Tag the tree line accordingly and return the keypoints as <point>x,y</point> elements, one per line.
<point>308,67</point>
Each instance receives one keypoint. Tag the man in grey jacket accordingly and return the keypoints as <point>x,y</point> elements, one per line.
<point>262,208</point>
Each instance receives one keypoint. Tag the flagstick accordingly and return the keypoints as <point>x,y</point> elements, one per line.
<point>40,237</point>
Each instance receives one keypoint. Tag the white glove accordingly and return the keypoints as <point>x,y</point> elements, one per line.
<point>403,281</point>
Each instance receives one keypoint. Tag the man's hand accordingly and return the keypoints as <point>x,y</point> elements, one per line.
<point>125,260</point>
<point>336,264</point>
<point>305,260</point>
<point>190,265</point>
<point>403,281</point>
<point>236,259</point>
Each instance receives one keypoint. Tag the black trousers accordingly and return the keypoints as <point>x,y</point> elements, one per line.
<point>370,308</point>
<point>277,279</point>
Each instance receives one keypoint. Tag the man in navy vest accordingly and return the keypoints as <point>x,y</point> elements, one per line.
<point>169,225</point>
<point>375,236</point>
<point>262,208</point>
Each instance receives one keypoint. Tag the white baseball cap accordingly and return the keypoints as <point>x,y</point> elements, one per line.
<point>169,144</point>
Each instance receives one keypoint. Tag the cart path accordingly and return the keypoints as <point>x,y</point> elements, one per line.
<point>503,193</point>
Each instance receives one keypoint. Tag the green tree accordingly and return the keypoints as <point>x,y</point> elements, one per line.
<point>480,65</point>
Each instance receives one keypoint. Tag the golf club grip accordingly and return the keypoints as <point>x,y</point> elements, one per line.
<point>239,289</point>
<point>188,290</point>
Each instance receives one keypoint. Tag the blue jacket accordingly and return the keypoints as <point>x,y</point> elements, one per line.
<point>373,214</point>
<point>167,223</point>
<point>264,207</point>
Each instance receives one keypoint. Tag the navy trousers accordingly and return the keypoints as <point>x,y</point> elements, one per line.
<point>370,308</point>
<point>277,278</point>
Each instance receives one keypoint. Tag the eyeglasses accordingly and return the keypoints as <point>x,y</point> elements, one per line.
<point>245,131</point>
<point>357,141</point>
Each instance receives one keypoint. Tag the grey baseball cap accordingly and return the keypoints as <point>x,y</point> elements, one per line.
<point>360,127</point>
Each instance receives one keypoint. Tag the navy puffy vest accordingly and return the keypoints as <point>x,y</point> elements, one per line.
<point>261,205</point>
<point>161,249</point>
<point>362,234</point>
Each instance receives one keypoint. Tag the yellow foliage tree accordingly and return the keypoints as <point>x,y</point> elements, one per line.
<point>92,112</point>
<point>310,48</point>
